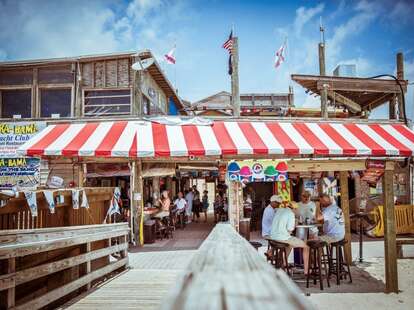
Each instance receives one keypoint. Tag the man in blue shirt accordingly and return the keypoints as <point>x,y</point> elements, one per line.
<point>269,214</point>
<point>333,220</point>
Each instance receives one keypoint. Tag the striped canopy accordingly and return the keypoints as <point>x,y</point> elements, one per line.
<point>152,139</point>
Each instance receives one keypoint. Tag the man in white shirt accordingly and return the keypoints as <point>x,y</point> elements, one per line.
<point>180,203</point>
<point>282,228</point>
<point>333,220</point>
<point>268,215</point>
<point>307,210</point>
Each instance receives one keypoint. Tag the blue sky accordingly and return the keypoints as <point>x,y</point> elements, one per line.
<point>367,33</point>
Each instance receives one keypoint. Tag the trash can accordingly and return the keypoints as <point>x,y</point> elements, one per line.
<point>244,228</point>
<point>149,231</point>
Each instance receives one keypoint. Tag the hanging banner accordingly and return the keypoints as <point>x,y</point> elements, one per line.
<point>247,171</point>
<point>23,172</point>
<point>15,134</point>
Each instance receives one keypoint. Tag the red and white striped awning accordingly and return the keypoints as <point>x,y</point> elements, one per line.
<point>151,139</point>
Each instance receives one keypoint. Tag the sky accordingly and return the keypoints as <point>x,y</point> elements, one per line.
<point>366,33</point>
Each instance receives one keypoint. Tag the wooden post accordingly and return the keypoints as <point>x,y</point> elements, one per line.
<point>235,96</point>
<point>136,109</point>
<point>136,204</point>
<point>343,179</point>
<point>391,108</point>
<point>7,296</point>
<point>390,249</point>
<point>400,76</point>
<point>81,175</point>
<point>322,72</point>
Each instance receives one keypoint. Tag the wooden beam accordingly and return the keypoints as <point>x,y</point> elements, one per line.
<point>400,76</point>
<point>348,103</point>
<point>343,181</point>
<point>326,165</point>
<point>390,249</point>
<point>391,108</point>
<point>321,50</point>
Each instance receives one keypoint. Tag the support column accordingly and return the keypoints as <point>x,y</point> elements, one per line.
<point>137,108</point>
<point>390,249</point>
<point>343,179</point>
<point>137,206</point>
<point>391,108</point>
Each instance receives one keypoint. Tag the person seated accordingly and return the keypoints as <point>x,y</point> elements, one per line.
<point>282,227</point>
<point>333,220</point>
<point>180,203</point>
<point>165,205</point>
<point>269,214</point>
<point>306,213</point>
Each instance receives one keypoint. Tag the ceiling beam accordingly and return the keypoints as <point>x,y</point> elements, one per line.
<point>351,105</point>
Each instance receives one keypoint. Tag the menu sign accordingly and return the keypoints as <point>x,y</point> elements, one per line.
<point>13,135</point>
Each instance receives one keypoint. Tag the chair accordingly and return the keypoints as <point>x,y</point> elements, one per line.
<point>279,257</point>
<point>338,265</point>
<point>160,229</point>
<point>316,248</point>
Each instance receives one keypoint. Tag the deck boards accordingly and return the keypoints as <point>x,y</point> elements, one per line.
<point>142,287</point>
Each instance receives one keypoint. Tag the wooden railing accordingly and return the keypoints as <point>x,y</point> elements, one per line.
<point>16,214</point>
<point>47,266</point>
<point>228,273</point>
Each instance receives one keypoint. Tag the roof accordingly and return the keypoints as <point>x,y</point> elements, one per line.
<point>154,70</point>
<point>368,93</point>
<point>176,137</point>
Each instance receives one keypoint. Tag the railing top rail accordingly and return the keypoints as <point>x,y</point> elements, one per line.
<point>237,277</point>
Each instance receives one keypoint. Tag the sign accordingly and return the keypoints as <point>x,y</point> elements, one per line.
<point>23,172</point>
<point>373,173</point>
<point>13,135</point>
<point>247,171</point>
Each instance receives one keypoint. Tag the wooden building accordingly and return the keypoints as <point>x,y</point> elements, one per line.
<point>253,104</point>
<point>84,86</point>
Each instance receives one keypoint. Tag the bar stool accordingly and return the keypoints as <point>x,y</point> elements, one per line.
<point>316,248</point>
<point>337,262</point>
<point>279,255</point>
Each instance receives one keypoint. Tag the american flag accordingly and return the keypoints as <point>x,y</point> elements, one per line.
<point>228,45</point>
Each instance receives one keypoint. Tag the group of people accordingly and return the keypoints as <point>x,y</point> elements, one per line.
<point>278,223</point>
<point>192,204</point>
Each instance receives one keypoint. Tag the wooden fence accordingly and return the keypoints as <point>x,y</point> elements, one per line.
<point>16,214</point>
<point>228,273</point>
<point>48,266</point>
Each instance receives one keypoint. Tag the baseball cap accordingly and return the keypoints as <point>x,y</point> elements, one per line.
<point>276,198</point>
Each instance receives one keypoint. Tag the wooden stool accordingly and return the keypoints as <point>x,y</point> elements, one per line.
<point>279,255</point>
<point>337,262</point>
<point>315,263</point>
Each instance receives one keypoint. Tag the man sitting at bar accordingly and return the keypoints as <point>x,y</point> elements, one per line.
<point>282,228</point>
<point>333,220</point>
<point>269,214</point>
<point>306,213</point>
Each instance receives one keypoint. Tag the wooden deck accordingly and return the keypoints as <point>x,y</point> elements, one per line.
<point>151,276</point>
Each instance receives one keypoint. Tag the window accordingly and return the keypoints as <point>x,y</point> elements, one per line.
<point>55,101</point>
<point>55,74</point>
<point>107,102</point>
<point>16,102</point>
<point>16,77</point>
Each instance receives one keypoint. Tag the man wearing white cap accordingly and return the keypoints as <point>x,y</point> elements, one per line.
<point>269,214</point>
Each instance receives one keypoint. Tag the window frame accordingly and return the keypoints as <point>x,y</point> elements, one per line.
<point>17,87</point>
<point>65,86</point>
<point>93,89</point>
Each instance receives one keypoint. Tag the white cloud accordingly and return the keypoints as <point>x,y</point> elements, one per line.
<point>402,12</point>
<point>304,15</point>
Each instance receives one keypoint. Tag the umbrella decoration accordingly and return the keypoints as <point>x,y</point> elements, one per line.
<point>258,171</point>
